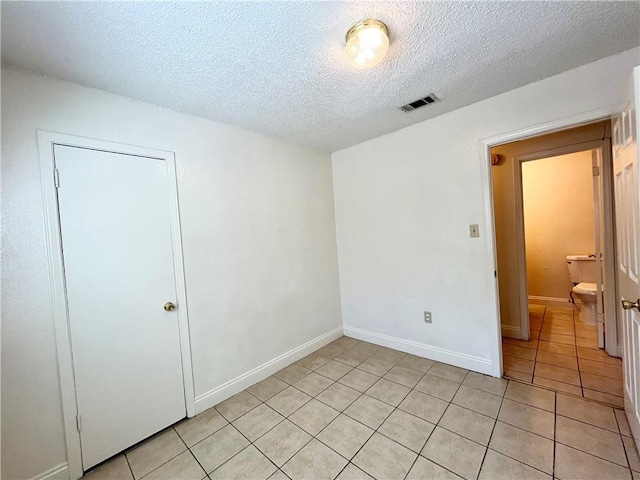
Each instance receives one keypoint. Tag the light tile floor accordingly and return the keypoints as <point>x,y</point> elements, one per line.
<point>353,410</point>
<point>563,355</point>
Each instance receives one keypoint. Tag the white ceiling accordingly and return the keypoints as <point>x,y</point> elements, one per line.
<point>278,67</point>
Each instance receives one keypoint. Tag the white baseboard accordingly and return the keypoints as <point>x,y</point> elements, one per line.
<point>236,385</point>
<point>511,331</point>
<point>59,472</point>
<point>443,355</point>
<point>552,301</point>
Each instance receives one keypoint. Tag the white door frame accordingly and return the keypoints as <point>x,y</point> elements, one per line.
<point>491,257</point>
<point>46,142</point>
<point>608,249</point>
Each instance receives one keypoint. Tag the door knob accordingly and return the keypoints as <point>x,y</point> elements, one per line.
<point>628,305</point>
<point>169,307</point>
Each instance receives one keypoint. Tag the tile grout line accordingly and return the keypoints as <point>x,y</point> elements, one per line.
<point>355,400</point>
<point>593,454</point>
<point>339,412</point>
<point>624,446</point>
<point>434,429</point>
<point>559,366</point>
<point>517,428</point>
<point>265,433</point>
<point>519,461</point>
<point>575,339</point>
<point>374,430</point>
<point>555,427</point>
<point>129,465</point>
<point>284,418</point>
<point>242,450</point>
<point>504,397</point>
<point>533,370</point>
<point>554,439</point>
<point>162,432</point>
<point>491,434</point>
<point>396,408</point>
<point>247,438</point>
<point>495,423</point>
<point>206,474</point>
<point>435,425</point>
<point>591,425</point>
<point>586,423</point>
<point>535,358</point>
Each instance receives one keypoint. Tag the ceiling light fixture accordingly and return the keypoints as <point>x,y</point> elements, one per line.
<point>367,43</point>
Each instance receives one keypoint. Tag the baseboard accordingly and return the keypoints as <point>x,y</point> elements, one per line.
<point>438,354</point>
<point>551,301</point>
<point>511,331</point>
<point>236,385</point>
<point>59,472</point>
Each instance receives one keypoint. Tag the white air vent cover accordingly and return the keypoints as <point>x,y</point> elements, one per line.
<point>428,100</point>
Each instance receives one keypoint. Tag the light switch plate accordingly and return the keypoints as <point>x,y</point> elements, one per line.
<point>427,317</point>
<point>474,231</point>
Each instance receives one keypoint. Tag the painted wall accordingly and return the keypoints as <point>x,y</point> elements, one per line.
<point>404,203</point>
<point>259,248</point>
<point>558,220</point>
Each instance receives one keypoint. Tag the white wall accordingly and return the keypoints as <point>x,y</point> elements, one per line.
<point>404,202</point>
<point>259,248</point>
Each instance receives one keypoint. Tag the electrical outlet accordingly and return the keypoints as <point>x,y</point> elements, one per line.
<point>427,317</point>
<point>474,231</point>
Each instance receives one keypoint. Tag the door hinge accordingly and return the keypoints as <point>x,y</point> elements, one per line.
<point>596,171</point>
<point>79,422</point>
<point>56,178</point>
<point>495,274</point>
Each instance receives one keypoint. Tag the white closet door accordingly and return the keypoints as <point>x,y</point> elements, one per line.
<point>119,273</point>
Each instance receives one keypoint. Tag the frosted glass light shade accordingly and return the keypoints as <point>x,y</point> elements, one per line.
<point>367,43</point>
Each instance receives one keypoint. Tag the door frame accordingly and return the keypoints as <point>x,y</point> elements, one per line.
<point>46,142</point>
<point>485,146</point>
<point>607,249</point>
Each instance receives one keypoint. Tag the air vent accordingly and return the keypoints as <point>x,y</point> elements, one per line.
<point>428,100</point>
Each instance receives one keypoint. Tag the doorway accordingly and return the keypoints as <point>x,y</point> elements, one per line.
<point>120,305</point>
<point>552,202</point>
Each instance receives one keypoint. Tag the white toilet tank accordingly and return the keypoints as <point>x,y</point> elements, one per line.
<point>582,268</point>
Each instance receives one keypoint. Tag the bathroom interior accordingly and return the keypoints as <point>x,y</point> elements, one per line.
<point>563,226</point>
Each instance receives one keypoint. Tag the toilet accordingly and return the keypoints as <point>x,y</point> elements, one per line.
<point>582,271</point>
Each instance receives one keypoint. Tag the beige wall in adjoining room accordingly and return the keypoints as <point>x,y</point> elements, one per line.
<point>558,220</point>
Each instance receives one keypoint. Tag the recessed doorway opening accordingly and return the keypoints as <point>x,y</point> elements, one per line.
<point>553,207</point>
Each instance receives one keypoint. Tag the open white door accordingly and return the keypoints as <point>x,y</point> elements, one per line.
<point>598,196</point>
<point>626,184</point>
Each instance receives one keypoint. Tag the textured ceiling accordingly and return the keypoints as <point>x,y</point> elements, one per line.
<point>279,67</point>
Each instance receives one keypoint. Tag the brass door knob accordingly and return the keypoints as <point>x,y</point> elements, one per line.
<point>628,305</point>
<point>169,307</point>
